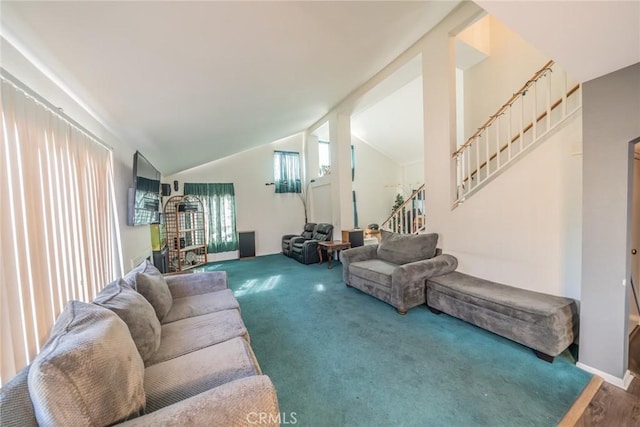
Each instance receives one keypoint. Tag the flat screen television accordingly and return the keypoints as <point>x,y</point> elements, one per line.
<point>144,197</point>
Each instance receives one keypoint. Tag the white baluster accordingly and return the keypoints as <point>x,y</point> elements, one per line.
<point>564,94</point>
<point>468,162</point>
<point>460,166</point>
<point>509,133</point>
<point>521,124</point>
<point>498,120</point>
<point>534,113</point>
<point>487,149</point>
<point>549,100</point>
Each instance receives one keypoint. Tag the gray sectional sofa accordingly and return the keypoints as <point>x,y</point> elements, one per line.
<point>396,270</point>
<point>148,351</point>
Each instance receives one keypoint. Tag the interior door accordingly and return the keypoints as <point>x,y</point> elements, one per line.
<point>634,315</point>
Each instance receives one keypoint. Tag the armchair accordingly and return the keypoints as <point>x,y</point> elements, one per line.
<point>306,250</point>
<point>396,270</point>
<point>307,233</point>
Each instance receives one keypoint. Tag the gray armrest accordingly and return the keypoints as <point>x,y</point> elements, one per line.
<point>184,285</point>
<point>238,403</point>
<point>410,279</point>
<point>420,271</point>
<point>359,253</point>
<point>356,254</point>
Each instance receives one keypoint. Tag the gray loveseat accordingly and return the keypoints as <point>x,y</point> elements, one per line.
<point>395,271</point>
<point>148,351</point>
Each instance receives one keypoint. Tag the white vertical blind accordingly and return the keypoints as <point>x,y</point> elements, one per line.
<point>56,222</point>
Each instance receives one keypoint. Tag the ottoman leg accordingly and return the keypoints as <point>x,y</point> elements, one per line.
<point>434,310</point>
<point>543,356</point>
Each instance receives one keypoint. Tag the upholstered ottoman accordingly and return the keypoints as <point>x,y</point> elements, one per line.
<point>546,323</point>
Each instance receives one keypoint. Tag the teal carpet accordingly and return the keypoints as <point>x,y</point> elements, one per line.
<point>339,357</point>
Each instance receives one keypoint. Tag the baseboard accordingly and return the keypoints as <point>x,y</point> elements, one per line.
<point>622,383</point>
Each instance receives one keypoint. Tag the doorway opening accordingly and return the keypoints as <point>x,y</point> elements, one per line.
<point>634,291</point>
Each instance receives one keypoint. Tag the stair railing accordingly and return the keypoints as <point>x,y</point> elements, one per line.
<point>408,218</point>
<point>537,108</point>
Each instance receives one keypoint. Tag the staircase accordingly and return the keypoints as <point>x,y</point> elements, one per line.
<point>408,218</point>
<point>540,107</point>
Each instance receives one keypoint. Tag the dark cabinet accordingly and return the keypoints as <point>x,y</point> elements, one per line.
<point>247,244</point>
<point>355,237</point>
<point>161,260</point>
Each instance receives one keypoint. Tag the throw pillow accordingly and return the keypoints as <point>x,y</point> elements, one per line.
<point>156,291</point>
<point>136,312</point>
<point>89,371</point>
<point>144,267</point>
<point>406,248</point>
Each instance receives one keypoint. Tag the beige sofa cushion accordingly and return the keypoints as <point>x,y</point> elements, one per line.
<point>89,372</point>
<point>177,379</point>
<point>194,333</point>
<point>136,312</point>
<point>155,289</point>
<point>197,305</point>
<point>144,267</point>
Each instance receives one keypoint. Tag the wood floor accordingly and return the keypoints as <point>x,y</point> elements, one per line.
<point>610,405</point>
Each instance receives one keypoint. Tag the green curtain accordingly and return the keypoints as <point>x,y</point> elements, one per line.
<point>286,172</point>
<point>353,164</point>
<point>148,185</point>
<point>220,207</point>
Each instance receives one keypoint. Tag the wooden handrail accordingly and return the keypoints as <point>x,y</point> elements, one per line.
<point>526,128</point>
<point>501,110</point>
<point>406,202</point>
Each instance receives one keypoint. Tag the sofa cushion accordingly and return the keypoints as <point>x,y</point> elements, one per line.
<point>180,378</point>
<point>375,270</point>
<point>89,372</point>
<point>249,401</point>
<point>136,312</point>
<point>155,289</point>
<point>191,334</point>
<point>197,305</point>
<point>144,267</point>
<point>406,248</point>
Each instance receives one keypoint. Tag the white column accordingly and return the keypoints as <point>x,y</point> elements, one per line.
<point>341,186</point>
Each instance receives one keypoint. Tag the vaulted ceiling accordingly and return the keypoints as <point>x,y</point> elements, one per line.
<point>190,82</point>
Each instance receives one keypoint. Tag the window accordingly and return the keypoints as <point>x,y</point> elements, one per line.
<point>57,227</point>
<point>324,158</point>
<point>219,202</point>
<point>286,172</point>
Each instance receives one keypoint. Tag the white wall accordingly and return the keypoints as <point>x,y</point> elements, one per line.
<point>523,228</point>
<point>321,205</point>
<point>412,176</point>
<point>491,82</point>
<point>135,241</point>
<point>258,207</point>
<point>374,184</point>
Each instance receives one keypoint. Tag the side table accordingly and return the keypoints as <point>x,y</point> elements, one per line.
<point>331,246</point>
